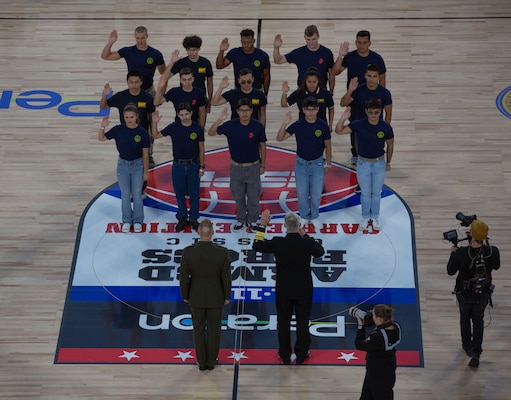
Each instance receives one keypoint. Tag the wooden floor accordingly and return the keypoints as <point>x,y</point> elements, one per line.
<point>447,61</point>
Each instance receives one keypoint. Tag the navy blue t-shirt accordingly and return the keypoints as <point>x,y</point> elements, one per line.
<point>243,140</point>
<point>322,59</point>
<point>144,61</point>
<point>144,102</point>
<point>201,69</point>
<point>195,98</point>
<point>256,97</point>
<point>322,95</point>
<point>185,139</point>
<point>362,95</point>
<point>310,137</point>
<point>257,61</point>
<point>357,65</point>
<point>371,139</point>
<point>129,141</point>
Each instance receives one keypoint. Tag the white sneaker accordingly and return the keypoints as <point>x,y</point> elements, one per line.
<point>353,160</point>
<point>126,227</point>
<point>317,225</point>
<point>362,226</point>
<point>137,228</point>
<point>376,224</point>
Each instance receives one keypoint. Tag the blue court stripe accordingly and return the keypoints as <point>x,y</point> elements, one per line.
<point>171,294</point>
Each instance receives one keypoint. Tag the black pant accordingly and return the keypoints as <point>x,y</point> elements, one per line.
<point>472,322</point>
<point>302,309</point>
<point>379,384</point>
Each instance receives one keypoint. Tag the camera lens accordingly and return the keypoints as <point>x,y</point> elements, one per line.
<point>357,312</point>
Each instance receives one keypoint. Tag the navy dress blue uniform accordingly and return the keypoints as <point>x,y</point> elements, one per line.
<point>293,288</point>
<point>380,347</point>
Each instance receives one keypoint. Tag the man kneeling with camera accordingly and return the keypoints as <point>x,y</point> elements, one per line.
<point>473,289</point>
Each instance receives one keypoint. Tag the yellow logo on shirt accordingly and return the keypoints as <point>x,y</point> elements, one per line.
<point>255,102</point>
<point>137,138</point>
<point>380,135</point>
<point>202,70</point>
<point>150,60</point>
<point>257,63</point>
<point>318,132</point>
<point>142,104</point>
<point>193,136</point>
<point>321,100</point>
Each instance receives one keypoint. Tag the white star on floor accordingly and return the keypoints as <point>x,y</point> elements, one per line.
<point>184,355</point>
<point>347,357</point>
<point>128,355</point>
<point>237,356</point>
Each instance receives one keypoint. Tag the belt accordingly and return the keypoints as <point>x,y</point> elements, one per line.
<point>186,162</point>
<point>371,159</point>
<point>246,164</point>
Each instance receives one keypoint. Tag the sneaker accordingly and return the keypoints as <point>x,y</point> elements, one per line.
<point>238,226</point>
<point>317,225</point>
<point>362,226</point>
<point>474,362</point>
<point>358,190</point>
<point>137,228</point>
<point>376,224</point>
<point>252,226</point>
<point>126,227</point>
<point>353,160</point>
<point>181,225</point>
<point>194,225</point>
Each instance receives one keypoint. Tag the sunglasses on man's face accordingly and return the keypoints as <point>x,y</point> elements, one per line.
<point>373,113</point>
<point>249,82</point>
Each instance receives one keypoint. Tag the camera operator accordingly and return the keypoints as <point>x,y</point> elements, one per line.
<point>473,289</point>
<point>380,347</point>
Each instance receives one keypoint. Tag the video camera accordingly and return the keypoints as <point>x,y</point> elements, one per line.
<point>465,220</point>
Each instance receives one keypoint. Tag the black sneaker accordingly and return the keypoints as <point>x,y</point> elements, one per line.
<point>181,225</point>
<point>474,362</point>
<point>238,226</point>
<point>358,190</point>
<point>194,225</point>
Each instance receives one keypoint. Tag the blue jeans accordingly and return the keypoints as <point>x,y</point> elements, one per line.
<point>310,177</point>
<point>130,176</point>
<point>185,178</point>
<point>371,176</point>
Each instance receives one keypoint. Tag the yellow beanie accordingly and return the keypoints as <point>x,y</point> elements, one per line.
<point>479,230</point>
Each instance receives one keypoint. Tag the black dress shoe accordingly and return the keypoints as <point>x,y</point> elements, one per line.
<point>211,367</point>
<point>202,368</point>
<point>474,362</point>
<point>301,360</point>
<point>468,351</point>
